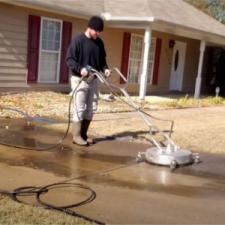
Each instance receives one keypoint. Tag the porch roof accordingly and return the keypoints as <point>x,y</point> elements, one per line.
<point>174,16</point>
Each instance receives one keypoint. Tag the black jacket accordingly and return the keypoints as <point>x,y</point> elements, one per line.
<point>85,51</point>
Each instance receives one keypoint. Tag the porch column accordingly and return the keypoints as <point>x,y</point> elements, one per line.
<point>143,80</point>
<point>199,75</point>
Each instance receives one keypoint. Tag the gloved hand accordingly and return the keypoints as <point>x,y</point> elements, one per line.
<point>107,72</point>
<point>84,72</point>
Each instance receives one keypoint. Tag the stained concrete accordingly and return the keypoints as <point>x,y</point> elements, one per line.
<point>127,192</point>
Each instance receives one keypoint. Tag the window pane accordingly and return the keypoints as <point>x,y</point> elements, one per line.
<point>57,44</point>
<point>48,66</point>
<point>57,35</point>
<point>50,34</point>
<point>44,44</point>
<point>44,34</point>
<point>45,24</point>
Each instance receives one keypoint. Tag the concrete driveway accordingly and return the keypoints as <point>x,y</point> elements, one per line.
<point>127,192</point>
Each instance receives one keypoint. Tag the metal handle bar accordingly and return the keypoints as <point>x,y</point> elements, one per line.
<point>145,116</point>
<point>103,80</point>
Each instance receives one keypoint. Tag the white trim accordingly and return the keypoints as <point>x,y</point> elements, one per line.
<point>108,17</point>
<point>147,44</point>
<point>60,50</point>
<point>50,51</point>
<point>199,75</point>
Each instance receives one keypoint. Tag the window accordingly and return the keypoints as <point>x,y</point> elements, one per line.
<point>50,48</point>
<point>136,58</point>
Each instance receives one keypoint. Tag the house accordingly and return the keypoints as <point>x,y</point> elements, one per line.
<point>160,46</point>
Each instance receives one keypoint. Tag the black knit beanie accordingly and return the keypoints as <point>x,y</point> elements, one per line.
<point>96,23</point>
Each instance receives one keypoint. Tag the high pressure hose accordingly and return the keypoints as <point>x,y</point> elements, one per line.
<point>29,118</point>
<point>39,191</point>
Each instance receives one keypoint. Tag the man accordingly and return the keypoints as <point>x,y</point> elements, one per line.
<point>86,50</point>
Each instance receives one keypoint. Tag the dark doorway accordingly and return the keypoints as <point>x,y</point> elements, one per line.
<point>214,71</point>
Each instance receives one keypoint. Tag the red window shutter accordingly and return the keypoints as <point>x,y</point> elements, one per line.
<point>125,55</point>
<point>157,61</point>
<point>33,47</point>
<point>66,38</point>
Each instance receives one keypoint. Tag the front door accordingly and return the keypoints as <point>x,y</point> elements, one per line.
<point>177,70</point>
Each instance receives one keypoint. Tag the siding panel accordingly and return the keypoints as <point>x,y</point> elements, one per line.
<point>14,78</point>
<point>13,56</point>
<point>13,46</point>
<point>10,42</point>
<point>12,71</point>
<point>16,28</point>
<point>18,18</point>
<point>12,64</point>
<point>14,83</point>
<point>17,50</point>
<point>12,35</point>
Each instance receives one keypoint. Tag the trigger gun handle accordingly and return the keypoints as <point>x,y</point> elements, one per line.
<point>90,77</point>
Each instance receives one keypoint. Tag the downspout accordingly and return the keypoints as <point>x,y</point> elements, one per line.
<point>199,75</point>
<point>144,74</point>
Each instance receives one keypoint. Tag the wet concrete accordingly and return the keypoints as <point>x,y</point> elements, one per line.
<point>127,192</point>
<point>143,195</point>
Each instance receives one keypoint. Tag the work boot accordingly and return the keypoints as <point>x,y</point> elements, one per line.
<point>76,130</point>
<point>84,129</point>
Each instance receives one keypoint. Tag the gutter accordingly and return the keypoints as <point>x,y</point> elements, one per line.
<point>109,18</point>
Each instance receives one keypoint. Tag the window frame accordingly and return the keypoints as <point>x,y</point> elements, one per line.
<point>151,51</point>
<point>50,51</point>
<point>129,60</point>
